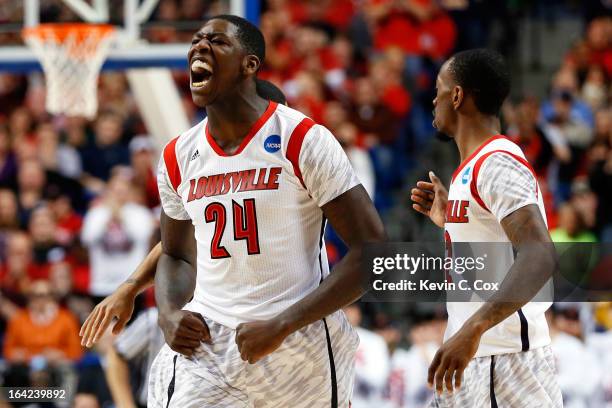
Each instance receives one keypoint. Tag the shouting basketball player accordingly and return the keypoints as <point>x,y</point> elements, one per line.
<point>117,308</point>
<point>255,182</point>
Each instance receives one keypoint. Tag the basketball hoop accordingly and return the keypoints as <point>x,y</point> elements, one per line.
<point>71,56</point>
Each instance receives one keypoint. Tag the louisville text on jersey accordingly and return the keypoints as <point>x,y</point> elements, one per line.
<point>456,211</point>
<point>234,182</point>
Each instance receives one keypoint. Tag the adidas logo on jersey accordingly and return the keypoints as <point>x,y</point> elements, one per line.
<point>195,155</point>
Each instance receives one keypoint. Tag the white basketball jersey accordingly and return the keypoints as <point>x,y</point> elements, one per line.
<point>256,213</point>
<point>494,181</point>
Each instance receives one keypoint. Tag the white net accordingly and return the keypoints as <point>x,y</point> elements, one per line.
<point>71,56</point>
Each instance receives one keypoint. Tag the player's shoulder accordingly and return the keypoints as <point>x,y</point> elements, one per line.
<point>294,122</point>
<point>500,145</point>
<point>285,113</point>
<point>499,151</point>
<point>502,159</point>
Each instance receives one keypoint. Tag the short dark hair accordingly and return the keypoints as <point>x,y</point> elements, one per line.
<point>249,35</point>
<point>268,90</point>
<point>483,74</point>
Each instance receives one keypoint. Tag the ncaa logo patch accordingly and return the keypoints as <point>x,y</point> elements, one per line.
<point>466,176</point>
<point>272,143</point>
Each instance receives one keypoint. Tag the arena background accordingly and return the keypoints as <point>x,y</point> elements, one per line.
<point>363,68</point>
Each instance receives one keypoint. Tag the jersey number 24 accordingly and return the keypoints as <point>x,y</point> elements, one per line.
<point>245,226</point>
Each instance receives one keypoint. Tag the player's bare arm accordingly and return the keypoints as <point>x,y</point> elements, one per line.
<point>430,198</point>
<point>174,285</point>
<point>355,219</point>
<point>119,305</point>
<point>533,266</point>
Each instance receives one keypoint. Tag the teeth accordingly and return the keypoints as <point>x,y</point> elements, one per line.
<point>199,66</point>
<point>199,84</point>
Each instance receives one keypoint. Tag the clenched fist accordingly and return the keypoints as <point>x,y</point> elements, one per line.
<point>256,340</point>
<point>184,331</point>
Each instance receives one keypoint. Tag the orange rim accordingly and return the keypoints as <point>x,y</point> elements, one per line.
<point>64,30</point>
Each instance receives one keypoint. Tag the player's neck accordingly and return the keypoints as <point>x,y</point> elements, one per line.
<point>230,120</point>
<point>471,133</point>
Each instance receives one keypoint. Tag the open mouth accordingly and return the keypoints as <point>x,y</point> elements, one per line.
<point>201,73</point>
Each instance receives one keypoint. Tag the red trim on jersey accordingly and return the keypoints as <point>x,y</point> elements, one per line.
<point>474,153</point>
<point>295,145</point>
<point>174,173</point>
<point>252,132</point>
<point>478,164</point>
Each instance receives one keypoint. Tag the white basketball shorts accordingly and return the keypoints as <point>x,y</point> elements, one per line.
<point>516,380</point>
<point>314,367</point>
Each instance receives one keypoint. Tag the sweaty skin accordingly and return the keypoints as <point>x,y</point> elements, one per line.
<point>456,115</point>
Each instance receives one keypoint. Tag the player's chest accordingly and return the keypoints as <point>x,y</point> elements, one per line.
<point>465,218</point>
<point>460,205</point>
<point>222,183</point>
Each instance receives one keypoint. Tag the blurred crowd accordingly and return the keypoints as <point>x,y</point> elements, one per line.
<point>79,203</point>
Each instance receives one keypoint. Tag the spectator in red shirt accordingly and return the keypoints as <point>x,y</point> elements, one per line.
<point>68,222</point>
<point>274,25</point>
<point>419,27</point>
<point>307,95</point>
<point>335,13</point>
<point>310,51</point>
<point>17,266</point>
<point>599,43</point>
<point>388,80</point>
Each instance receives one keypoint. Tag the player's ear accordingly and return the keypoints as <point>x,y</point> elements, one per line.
<point>250,64</point>
<point>457,97</point>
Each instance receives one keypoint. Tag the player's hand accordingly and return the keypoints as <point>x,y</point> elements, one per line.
<point>430,198</point>
<point>452,358</point>
<point>256,340</point>
<point>184,331</point>
<point>119,305</point>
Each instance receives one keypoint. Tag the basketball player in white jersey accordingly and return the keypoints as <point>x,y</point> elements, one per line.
<point>255,182</point>
<point>117,308</point>
<point>495,353</point>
